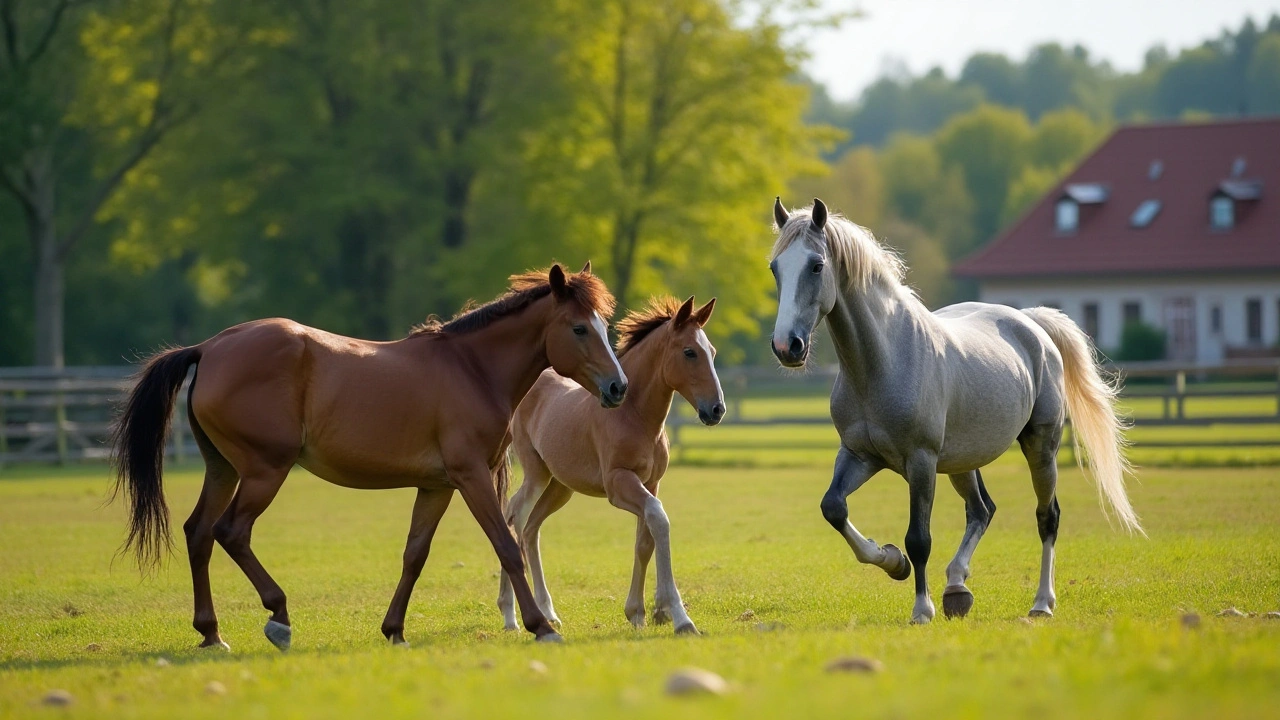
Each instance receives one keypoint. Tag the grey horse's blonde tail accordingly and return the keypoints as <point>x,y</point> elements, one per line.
<point>1091,404</point>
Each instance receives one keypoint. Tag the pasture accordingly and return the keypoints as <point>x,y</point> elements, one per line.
<point>743,539</point>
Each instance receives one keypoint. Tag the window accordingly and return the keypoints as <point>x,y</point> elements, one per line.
<point>1215,319</point>
<point>1253,321</point>
<point>1132,312</point>
<point>1145,213</point>
<point>1067,218</point>
<point>1222,213</point>
<point>1091,320</point>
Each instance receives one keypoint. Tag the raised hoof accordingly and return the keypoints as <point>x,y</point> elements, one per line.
<point>551,637</point>
<point>956,601</point>
<point>897,565</point>
<point>1040,613</point>
<point>215,644</point>
<point>279,634</point>
<point>687,629</point>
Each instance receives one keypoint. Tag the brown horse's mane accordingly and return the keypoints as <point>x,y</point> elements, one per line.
<point>639,324</point>
<point>585,289</point>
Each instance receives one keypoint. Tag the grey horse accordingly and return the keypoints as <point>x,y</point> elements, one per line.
<point>948,392</point>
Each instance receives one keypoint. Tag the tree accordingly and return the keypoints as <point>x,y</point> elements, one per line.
<point>1264,76</point>
<point>681,119</point>
<point>988,146</point>
<point>90,91</point>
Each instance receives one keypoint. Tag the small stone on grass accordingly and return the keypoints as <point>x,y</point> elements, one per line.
<point>746,615</point>
<point>1191,620</point>
<point>215,688</point>
<point>539,667</point>
<point>1232,612</point>
<point>855,664</point>
<point>92,647</point>
<point>696,681</point>
<point>162,662</point>
<point>57,698</point>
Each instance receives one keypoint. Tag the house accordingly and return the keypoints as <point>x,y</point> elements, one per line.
<point>1174,225</point>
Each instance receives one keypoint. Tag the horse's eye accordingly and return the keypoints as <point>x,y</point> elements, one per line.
<point>689,353</point>
<point>580,330</point>
<point>817,268</point>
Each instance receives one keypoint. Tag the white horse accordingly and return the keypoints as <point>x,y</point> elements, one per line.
<point>923,393</point>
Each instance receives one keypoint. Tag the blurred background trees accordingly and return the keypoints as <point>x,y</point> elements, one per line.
<point>171,167</point>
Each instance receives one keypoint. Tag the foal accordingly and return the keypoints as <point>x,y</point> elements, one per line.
<point>568,445</point>
<point>429,412</point>
<point>923,393</point>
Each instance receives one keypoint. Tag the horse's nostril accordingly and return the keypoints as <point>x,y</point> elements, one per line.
<point>797,346</point>
<point>617,389</point>
<point>718,410</point>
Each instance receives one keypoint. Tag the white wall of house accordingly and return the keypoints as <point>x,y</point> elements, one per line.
<point>1155,295</point>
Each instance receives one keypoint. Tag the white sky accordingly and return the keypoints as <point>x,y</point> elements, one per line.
<point>924,33</point>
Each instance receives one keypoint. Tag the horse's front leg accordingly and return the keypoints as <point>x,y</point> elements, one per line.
<point>851,473</point>
<point>922,478</point>
<point>644,551</point>
<point>625,491</point>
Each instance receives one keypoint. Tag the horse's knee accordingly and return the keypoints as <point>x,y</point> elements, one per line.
<point>656,518</point>
<point>835,510</point>
<point>1047,518</point>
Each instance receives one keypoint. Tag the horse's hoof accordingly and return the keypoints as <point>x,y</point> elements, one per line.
<point>279,634</point>
<point>215,644</point>
<point>1040,613</point>
<point>397,640</point>
<point>901,567</point>
<point>637,621</point>
<point>956,601</point>
<point>687,629</point>
<point>551,637</point>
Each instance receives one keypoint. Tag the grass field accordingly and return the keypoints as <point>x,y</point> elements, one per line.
<point>744,539</point>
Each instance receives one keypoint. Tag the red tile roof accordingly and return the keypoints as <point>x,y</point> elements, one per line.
<point>1195,160</point>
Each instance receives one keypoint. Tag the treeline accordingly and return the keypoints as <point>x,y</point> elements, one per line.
<point>939,165</point>
<point>171,167</point>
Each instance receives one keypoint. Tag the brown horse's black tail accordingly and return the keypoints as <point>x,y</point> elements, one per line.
<point>138,451</point>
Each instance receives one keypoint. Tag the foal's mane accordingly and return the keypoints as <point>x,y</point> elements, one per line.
<point>585,289</point>
<point>853,248</point>
<point>639,324</point>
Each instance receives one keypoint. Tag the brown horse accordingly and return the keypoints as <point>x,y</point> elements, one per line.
<point>430,412</point>
<point>566,445</point>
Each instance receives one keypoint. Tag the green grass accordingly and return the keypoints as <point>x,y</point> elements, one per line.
<point>743,539</point>
<point>785,445</point>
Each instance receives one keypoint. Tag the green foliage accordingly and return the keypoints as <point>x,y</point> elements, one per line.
<point>1140,341</point>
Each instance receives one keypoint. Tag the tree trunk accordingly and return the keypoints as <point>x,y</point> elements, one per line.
<point>49,262</point>
<point>626,235</point>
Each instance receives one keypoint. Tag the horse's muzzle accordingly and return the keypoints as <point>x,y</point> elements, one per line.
<point>612,395</point>
<point>712,414</point>
<point>793,352</point>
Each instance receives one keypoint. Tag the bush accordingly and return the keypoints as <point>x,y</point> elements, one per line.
<point>1139,341</point>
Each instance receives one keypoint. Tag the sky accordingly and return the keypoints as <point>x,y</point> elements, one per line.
<point>925,33</point>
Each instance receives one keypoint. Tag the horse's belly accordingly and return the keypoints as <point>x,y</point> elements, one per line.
<point>421,473</point>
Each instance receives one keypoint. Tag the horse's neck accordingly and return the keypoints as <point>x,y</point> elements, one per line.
<point>867,328</point>
<point>649,395</point>
<point>511,352</point>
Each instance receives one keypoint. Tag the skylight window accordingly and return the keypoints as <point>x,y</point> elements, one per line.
<point>1146,212</point>
<point>1087,193</point>
<point>1067,215</point>
<point>1222,212</point>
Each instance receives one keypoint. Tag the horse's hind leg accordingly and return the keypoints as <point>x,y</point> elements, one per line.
<point>233,531</point>
<point>1040,446</point>
<point>219,486</point>
<point>428,509</point>
<point>956,598</point>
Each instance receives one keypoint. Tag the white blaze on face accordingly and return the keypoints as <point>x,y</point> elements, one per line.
<point>597,324</point>
<point>791,264</point>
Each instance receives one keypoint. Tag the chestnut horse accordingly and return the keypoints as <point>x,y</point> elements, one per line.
<point>430,412</point>
<point>566,445</point>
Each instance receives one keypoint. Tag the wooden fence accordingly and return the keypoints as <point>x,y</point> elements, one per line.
<point>65,416</point>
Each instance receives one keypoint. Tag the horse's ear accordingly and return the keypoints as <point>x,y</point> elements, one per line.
<point>704,313</point>
<point>819,217</point>
<point>559,285</point>
<point>780,215</point>
<point>586,269</point>
<point>684,313</point>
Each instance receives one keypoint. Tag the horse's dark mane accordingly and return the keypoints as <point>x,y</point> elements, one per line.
<point>584,289</point>
<point>639,324</point>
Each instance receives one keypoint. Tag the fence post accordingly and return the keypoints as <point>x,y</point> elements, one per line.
<point>1181,385</point>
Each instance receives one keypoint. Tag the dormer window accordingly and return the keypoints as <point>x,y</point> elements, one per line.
<point>1067,216</point>
<point>1222,212</point>
<point>1145,213</point>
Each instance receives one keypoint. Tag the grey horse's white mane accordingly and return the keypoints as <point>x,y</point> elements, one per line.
<point>853,248</point>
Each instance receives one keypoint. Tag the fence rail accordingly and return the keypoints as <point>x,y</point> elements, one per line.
<point>65,415</point>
